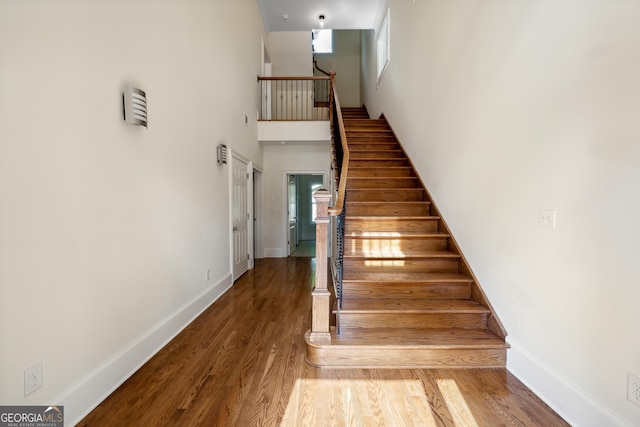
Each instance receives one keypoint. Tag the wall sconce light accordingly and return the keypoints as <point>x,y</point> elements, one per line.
<point>321,19</point>
<point>222,154</point>
<point>134,102</point>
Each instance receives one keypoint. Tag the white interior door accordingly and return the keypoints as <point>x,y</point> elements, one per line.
<point>292,213</point>
<point>240,216</point>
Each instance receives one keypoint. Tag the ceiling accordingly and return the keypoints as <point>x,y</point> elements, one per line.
<point>302,15</point>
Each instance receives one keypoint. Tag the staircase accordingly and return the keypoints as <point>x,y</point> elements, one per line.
<point>409,298</point>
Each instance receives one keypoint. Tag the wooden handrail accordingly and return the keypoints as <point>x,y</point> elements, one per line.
<point>315,66</point>
<point>320,329</point>
<point>260,78</point>
<point>344,171</point>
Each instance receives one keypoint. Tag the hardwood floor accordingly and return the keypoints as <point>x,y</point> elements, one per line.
<point>242,363</point>
<point>306,248</point>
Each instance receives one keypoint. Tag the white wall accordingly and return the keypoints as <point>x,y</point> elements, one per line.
<point>277,131</point>
<point>290,53</point>
<point>345,60</point>
<point>507,108</point>
<point>278,161</point>
<point>107,230</point>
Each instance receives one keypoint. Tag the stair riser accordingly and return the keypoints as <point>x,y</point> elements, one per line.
<point>454,291</point>
<point>402,195</point>
<point>418,358</point>
<point>394,245</point>
<point>413,320</point>
<point>350,127</point>
<point>359,123</point>
<point>358,225</point>
<point>378,164</point>
<point>388,209</point>
<point>380,154</point>
<point>373,139</point>
<point>369,134</point>
<point>420,265</point>
<point>404,182</point>
<point>367,145</point>
<point>394,172</point>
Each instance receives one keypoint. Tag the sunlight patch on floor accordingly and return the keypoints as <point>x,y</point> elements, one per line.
<point>355,399</point>
<point>456,403</point>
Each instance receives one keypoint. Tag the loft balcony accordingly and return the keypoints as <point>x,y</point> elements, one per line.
<point>294,109</point>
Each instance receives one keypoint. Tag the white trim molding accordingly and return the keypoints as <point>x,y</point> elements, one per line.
<point>86,394</point>
<point>571,402</point>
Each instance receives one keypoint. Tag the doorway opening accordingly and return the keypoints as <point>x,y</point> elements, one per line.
<point>301,213</point>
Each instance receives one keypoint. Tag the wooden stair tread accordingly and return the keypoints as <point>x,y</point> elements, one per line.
<point>380,171</point>
<point>374,121</point>
<point>378,305</point>
<point>362,139</point>
<point>394,189</point>
<point>356,141</point>
<point>436,338</point>
<point>405,277</point>
<point>396,218</point>
<point>383,179</point>
<point>399,254</point>
<point>394,235</point>
<point>399,202</point>
<point>387,195</point>
<point>354,151</point>
<point>364,168</point>
<point>378,161</point>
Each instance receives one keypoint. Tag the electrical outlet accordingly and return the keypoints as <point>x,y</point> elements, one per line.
<point>32,379</point>
<point>547,218</point>
<point>633,389</point>
<point>245,119</point>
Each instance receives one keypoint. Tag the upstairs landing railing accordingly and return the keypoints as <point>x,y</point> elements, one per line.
<point>294,98</point>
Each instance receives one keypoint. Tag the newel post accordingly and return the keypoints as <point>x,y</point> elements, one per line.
<point>321,295</point>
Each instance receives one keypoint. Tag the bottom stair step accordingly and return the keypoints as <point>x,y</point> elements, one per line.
<point>403,314</point>
<point>397,348</point>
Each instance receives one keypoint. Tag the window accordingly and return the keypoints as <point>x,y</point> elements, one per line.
<point>382,45</point>
<point>322,41</point>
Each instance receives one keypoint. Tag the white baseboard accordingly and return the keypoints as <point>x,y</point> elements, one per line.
<point>572,403</point>
<point>274,253</point>
<point>83,396</point>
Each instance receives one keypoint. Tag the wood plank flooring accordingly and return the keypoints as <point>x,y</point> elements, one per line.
<point>242,363</point>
